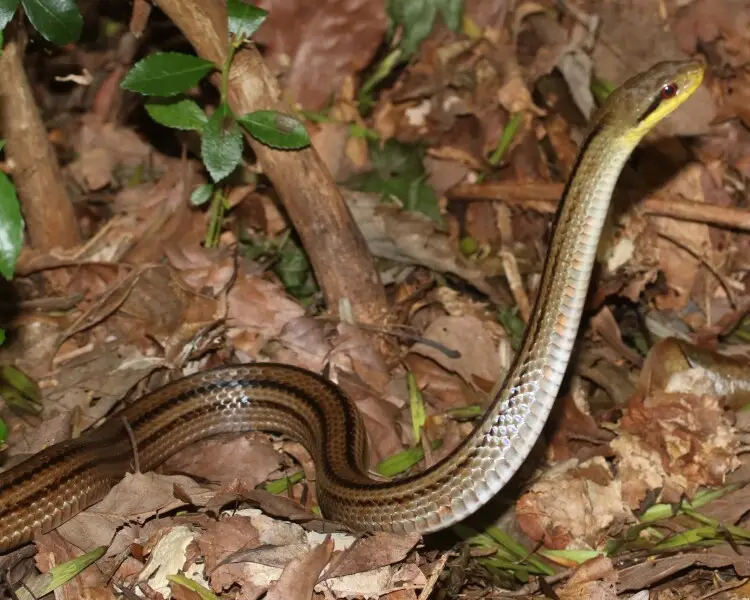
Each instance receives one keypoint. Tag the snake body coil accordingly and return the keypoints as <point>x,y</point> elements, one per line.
<point>52,486</point>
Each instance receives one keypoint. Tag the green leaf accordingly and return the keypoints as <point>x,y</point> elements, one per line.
<point>3,431</point>
<point>412,191</point>
<point>221,145</point>
<point>201,194</point>
<point>166,74</point>
<point>293,268</point>
<point>396,158</point>
<point>244,19</point>
<point>184,114</point>
<point>404,460</point>
<point>11,227</point>
<point>280,486</point>
<point>7,10</point>
<point>276,129</point>
<point>416,17</point>
<point>64,572</point>
<point>193,586</point>
<point>452,12</point>
<point>59,21</point>
<point>416,406</point>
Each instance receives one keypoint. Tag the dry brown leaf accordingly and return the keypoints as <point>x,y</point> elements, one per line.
<point>258,309</point>
<point>136,498</point>
<point>440,388</point>
<point>95,382</point>
<point>367,553</point>
<point>593,580</point>
<point>225,537</point>
<point>205,270</point>
<point>322,43</point>
<point>300,575</point>
<point>237,460</point>
<point>674,441</point>
<point>54,549</point>
<point>353,352</point>
<point>574,506</point>
<point>646,573</point>
<point>303,342</point>
<point>478,362</point>
<point>102,146</point>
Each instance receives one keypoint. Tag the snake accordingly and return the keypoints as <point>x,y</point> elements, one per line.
<point>57,483</point>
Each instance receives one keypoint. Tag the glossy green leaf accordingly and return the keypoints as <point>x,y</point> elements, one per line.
<point>416,17</point>
<point>283,485</point>
<point>416,407</point>
<point>64,572</point>
<point>244,19</point>
<point>221,144</point>
<point>11,227</point>
<point>184,114</point>
<point>7,10</point>
<point>452,12</point>
<point>59,21</point>
<point>166,74</point>
<point>201,194</point>
<point>3,431</point>
<point>293,268</point>
<point>276,129</point>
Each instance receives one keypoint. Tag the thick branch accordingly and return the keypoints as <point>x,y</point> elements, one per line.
<point>336,248</point>
<point>50,221</point>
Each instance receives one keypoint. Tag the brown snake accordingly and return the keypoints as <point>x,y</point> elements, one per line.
<point>54,485</point>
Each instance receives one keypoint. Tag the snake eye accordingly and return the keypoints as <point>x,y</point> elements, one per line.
<point>668,91</point>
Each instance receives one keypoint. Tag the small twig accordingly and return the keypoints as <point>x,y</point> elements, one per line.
<point>697,254</point>
<point>510,266</point>
<point>544,197</point>
<point>436,571</point>
<point>134,444</point>
<point>394,331</point>
<point>724,588</point>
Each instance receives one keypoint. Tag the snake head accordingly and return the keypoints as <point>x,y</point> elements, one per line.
<point>644,100</point>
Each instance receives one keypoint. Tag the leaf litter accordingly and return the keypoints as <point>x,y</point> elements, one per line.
<point>458,217</point>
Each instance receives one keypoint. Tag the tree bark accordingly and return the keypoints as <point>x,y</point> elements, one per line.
<point>47,210</point>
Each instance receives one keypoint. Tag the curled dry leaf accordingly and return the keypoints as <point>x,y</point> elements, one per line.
<point>678,442</point>
<point>103,146</point>
<point>324,41</point>
<point>367,553</point>
<point>96,381</point>
<point>226,537</point>
<point>205,270</point>
<point>574,506</point>
<point>258,309</point>
<point>477,362</point>
<point>167,557</point>
<point>300,575</point>
<point>303,342</point>
<point>53,550</point>
<point>136,498</point>
<point>238,460</point>
<point>593,580</point>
